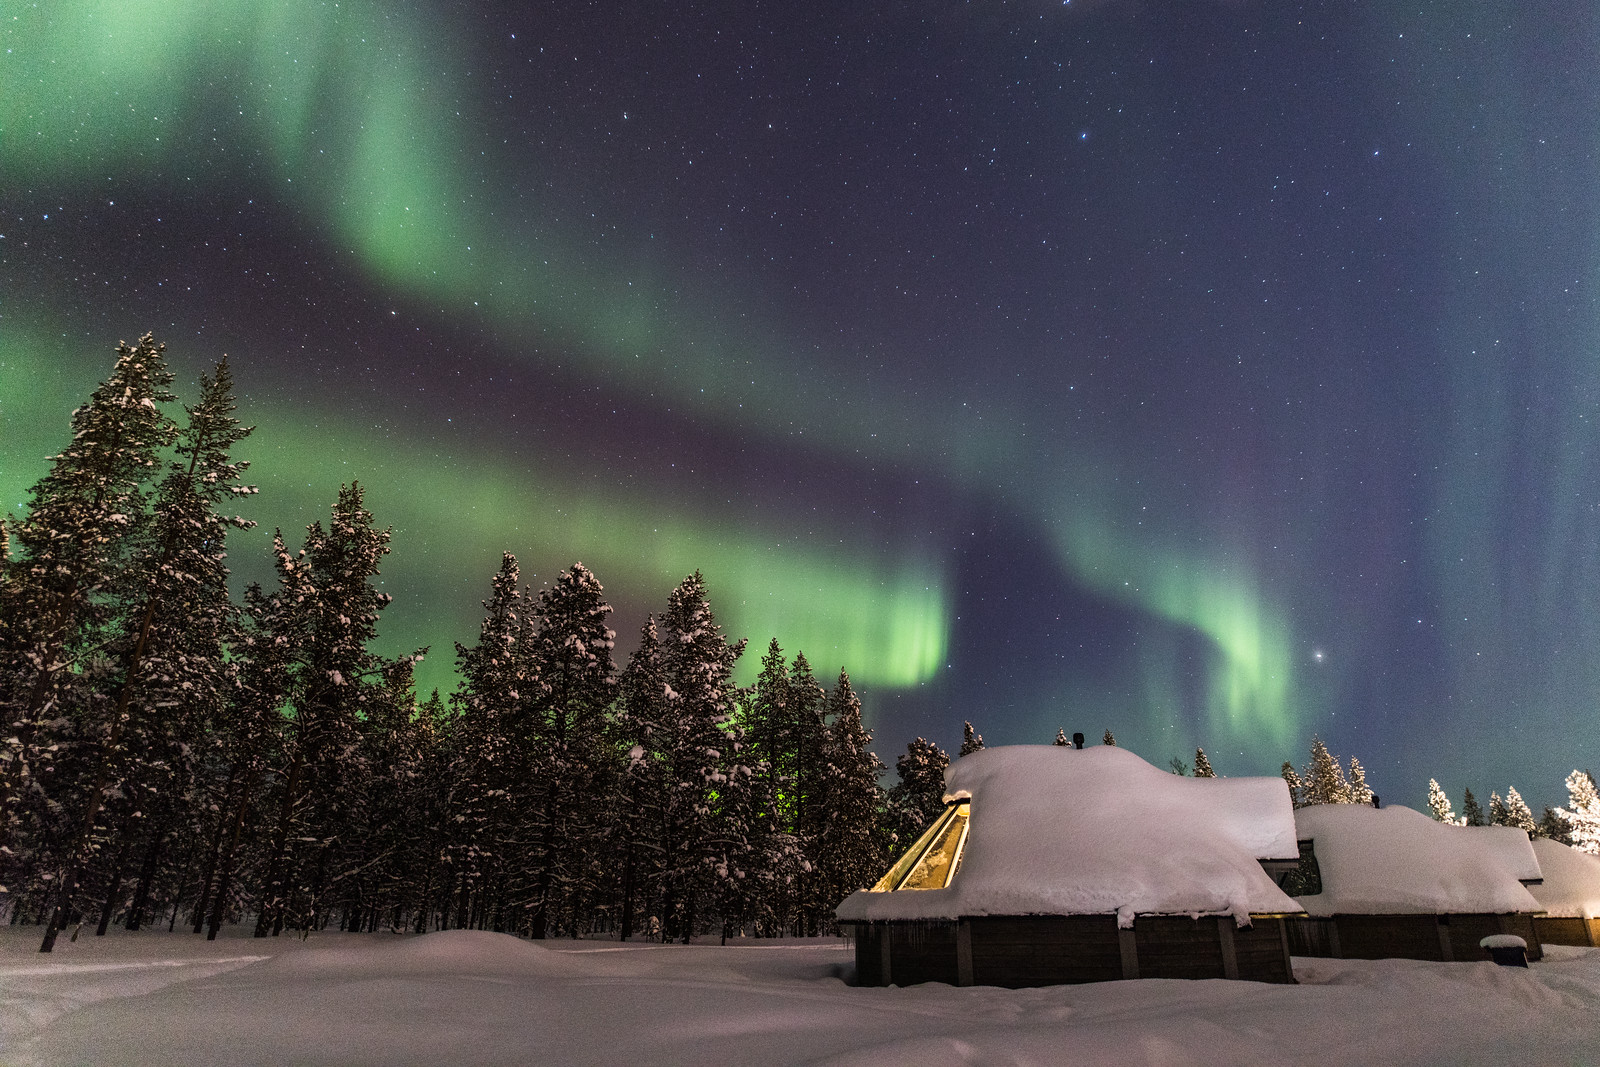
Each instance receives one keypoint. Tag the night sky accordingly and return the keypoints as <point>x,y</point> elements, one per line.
<point>1218,373</point>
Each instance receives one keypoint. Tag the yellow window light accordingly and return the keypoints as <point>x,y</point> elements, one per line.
<point>932,862</point>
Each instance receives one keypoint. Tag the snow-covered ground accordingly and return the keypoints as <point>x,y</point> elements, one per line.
<point>479,998</point>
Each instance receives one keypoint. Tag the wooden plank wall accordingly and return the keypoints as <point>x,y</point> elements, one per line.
<point>1557,930</point>
<point>1023,951</point>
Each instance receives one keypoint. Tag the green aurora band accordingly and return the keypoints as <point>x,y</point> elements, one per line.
<point>350,110</point>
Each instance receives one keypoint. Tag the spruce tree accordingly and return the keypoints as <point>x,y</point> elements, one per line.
<point>1582,812</point>
<point>1471,810</point>
<point>698,664</point>
<point>1202,766</point>
<point>576,682</point>
<point>1323,781</point>
<point>1499,814</point>
<point>491,747</point>
<point>1518,813</point>
<point>1439,804</point>
<point>642,734</point>
<point>917,798</point>
<point>848,846</point>
<point>1291,778</point>
<point>1108,739</point>
<point>66,554</point>
<point>1357,791</point>
<point>174,618</point>
<point>331,678</point>
<point>970,740</point>
<point>1554,825</point>
<point>1061,740</point>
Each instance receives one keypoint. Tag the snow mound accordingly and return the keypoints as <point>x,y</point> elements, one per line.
<point>474,952</point>
<point>1571,886</point>
<point>1059,831</point>
<point>1397,861</point>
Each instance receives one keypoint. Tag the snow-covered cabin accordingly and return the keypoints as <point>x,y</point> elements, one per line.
<point>1053,864</point>
<point>1569,895</point>
<point>1392,882</point>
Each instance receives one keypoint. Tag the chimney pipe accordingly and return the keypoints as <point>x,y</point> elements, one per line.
<point>1077,740</point>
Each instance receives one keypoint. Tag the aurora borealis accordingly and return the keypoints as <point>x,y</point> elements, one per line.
<point>1219,373</point>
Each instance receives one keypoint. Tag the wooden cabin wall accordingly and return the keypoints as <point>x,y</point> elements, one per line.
<point>1022,951</point>
<point>1559,930</point>
<point>1439,938</point>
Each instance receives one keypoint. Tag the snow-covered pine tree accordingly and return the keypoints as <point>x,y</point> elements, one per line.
<point>1323,781</point>
<point>1499,814</point>
<point>1471,810</point>
<point>917,797</point>
<point>1291,778</point>
<point>642,734</point>
<point>849,845</point>
<point>1062,741</point>
<point>1108,739</point>
<point>66,552</point>
<point>1439,804</point>
<point>490,747</point>
<point>971,741</point>
<point>808,702</point>
<point>330,683</point>
<point>698,665</point>
<point>174,617</point>
<point>1582,812</point>
<point>1518,813</point>
<point>1358,792</point>
<point>1202,765</point>
<point>570,768</point>
<point>1554,825</point>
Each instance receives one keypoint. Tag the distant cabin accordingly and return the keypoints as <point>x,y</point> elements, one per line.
<point>1053,864</point>
<point>1392,882</point>
<point>1569,895</point>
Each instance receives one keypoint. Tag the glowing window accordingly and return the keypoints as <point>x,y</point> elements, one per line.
<point>933,861</point>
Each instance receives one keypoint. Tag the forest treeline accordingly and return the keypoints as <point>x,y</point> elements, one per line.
<point>178,755</point>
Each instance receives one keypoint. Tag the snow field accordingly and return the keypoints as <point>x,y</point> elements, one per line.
<point>466,998</point>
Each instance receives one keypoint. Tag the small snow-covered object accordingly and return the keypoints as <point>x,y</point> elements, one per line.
<point>1507,950</point>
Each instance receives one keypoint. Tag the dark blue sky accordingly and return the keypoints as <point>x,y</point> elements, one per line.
<point>1218,373</point>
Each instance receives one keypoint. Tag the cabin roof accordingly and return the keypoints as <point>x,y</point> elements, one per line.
<point>1397,861</point>
<point>1061,831</point>
<point>1571,887</point>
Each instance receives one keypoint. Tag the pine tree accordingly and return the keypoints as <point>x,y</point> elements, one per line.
<point>330,682</point>
<point>848,846</point>
<point>970,741</point>
<point>1291,778</point>
<point>1061,739</point>
<point>1108,739</point>
<point>1471,810</point>
<point>698,664</point>
<point>1439,804</point>
<point>1357,791</point>
<point>576,682</point>
<point>1323,781</point>
<point>1518,813</point>
<point>1202,766</point>
<point>175,617</point>
<point>1582,812</point>
<point>491,748</point>
<point>1499,814</point>
<point>66,554</point>
<point>917,798</point>
<point>1554,825</point>
<point>641,730</point>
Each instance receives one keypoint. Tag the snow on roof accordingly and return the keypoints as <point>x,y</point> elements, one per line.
<point>1399,861</point>
<point>1059,831</point>
<point>1571,886</point>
